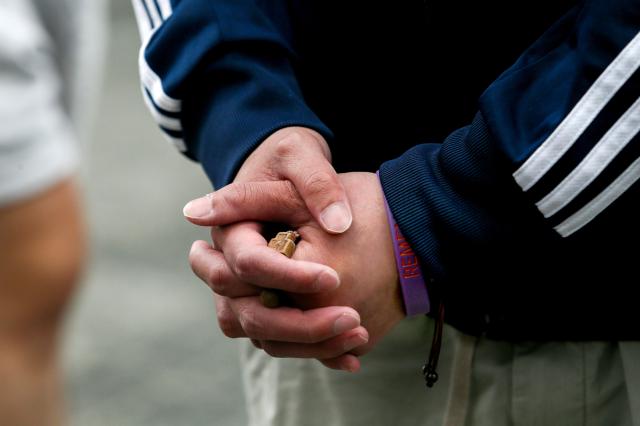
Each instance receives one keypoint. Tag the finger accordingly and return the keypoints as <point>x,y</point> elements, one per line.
<point>308,167</point>
<point>250,231</point>
<point>253,262</point>
<point>330,348</point>
<point>292,325</point>
<point>346,362</point>
<point>265,201</point>
<point>212,268</point>
<point>227,319</point>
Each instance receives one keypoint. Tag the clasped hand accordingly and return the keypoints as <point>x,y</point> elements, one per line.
<point>342,288</point>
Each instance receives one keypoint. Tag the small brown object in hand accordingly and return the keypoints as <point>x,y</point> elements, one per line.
<point>285,243</point>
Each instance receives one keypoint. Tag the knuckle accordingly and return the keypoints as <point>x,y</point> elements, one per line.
<point>319,182</point>
<point>228,325</point>
<point>288,145</point>
<point>272,349</point>
<point>292,201</point>
<point>251,326</point>
<point>239,194</point>
<point>216,279</point>
<point>243,264</point>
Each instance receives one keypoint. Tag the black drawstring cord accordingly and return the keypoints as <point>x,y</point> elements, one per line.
<point>429,369</point>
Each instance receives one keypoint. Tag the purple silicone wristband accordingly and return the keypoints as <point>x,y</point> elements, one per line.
<point>412,284</point>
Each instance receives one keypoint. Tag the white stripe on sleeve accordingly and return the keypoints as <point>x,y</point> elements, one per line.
<point>153,91</point>
<point>176,142</point>
<point>153,83</point>
<point>153,11</point>
<point>584,112</point>
<point>601,202</point>
<point>144,26</point>
<point>594,163</point>
<point>169,123</point>
<point>165,8</point>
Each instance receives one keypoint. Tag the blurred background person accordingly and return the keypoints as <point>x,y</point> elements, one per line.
<point>49,71</point>
<point>140,345</point>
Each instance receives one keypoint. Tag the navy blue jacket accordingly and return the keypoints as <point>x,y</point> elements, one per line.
<point>506,135</point>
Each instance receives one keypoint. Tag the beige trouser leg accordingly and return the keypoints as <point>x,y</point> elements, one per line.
<point>388,391</point>
<point>482,383</point>
<point>553,384</point>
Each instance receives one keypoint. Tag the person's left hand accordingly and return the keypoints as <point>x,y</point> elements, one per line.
<point>362,256</point>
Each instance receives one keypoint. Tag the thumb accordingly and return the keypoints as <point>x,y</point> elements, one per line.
<point>266,201</point>
<point>308,168</point>
<point>300,157</point>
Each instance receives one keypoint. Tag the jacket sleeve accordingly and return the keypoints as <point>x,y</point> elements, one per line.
<point>217,77</point>
<point>550,162</point>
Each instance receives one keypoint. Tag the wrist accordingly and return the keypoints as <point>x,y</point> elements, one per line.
<point>410,275</point>
<point>296,137</point>
<point>283,143</point>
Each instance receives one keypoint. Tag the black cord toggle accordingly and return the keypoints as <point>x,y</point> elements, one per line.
<point>429,369</point>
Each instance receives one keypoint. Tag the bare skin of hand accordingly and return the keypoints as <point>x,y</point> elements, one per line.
<point>362,257</point>
<point>301,156</point>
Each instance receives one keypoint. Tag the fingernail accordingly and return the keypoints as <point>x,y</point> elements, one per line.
<point>355,341</point>
<point>327,280</point>
<point>199,208</point>
<point>336,218</point>
<point>351,369</point>
<point>345,322</point>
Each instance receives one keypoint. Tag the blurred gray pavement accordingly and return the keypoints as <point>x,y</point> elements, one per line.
<point>142,345</point>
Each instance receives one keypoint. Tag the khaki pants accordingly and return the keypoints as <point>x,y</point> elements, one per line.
<point>482,382</point>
